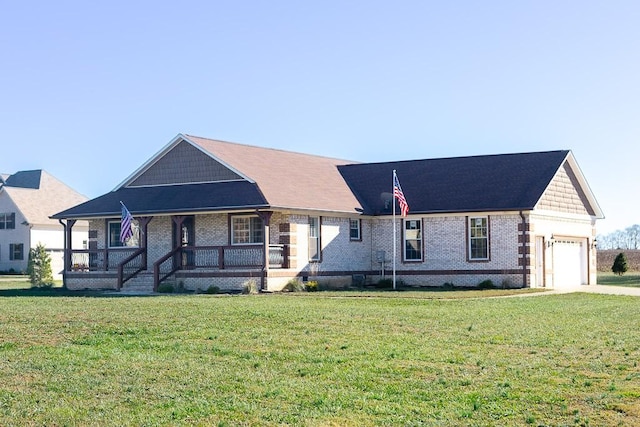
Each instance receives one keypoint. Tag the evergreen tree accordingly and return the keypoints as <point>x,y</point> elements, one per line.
<point>39,267</point>
<point>620,265</point>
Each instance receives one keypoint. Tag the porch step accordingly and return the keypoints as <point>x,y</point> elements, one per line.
<point>141,284</point>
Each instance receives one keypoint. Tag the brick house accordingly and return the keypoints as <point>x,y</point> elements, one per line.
<point>27,199</point>
<point>217,213</point>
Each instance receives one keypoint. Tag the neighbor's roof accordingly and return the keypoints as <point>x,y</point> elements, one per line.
<point>38,195</point>
<point>504,182</point>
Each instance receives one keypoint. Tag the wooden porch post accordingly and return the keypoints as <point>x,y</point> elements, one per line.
<point>266,218</point>
<point>68,246</point>
<point>143,222</point>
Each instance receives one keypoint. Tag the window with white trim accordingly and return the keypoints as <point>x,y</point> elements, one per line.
<point>113,229</point>
<point>7,221</point>
<point>247,230</point>
<point>412,239</point>
<point>354,229</point>
<point>479,238</point>
<point>314,238</point>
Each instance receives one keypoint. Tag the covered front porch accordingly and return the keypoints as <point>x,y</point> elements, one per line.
<point>185,249</point>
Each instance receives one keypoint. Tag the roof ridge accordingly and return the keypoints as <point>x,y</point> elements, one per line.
<point>281,150</point>
<point>474,156</point>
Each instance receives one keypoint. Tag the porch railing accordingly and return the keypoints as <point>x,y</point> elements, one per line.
<point>132,265</point>
<point>99,259</point>
<point>218,258</point>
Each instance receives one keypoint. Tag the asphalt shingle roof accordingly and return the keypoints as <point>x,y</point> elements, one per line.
<point>459,184</point>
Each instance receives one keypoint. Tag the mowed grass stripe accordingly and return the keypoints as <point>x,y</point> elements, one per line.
<point>273,360</point>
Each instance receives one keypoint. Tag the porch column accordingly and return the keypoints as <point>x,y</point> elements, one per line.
<point>266,218</point>
<point>143,222</point>
<point>68,246</point>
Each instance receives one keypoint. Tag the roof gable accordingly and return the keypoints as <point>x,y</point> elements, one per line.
<point>471,184</point>
<point>183,163</point>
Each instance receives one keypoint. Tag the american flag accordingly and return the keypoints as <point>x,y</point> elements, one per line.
<point>398,194</point>
<point>126,232</point>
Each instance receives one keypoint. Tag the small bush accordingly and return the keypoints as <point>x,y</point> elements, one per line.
<point>486,284</point>
<point>212,290</point>
<point>311,286</point>
<point>165,288</point>
<point>250,287</point>
<point>448,285</point>
<point>293,285</point>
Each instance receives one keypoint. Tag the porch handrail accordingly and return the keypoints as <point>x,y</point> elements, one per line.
<point>156,268</point>
<point>142,253</point>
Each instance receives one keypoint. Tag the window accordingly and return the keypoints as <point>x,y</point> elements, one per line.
<point>354,229</point>
<point>412,240</point>
<point>7,221</point>
<point>16,251</point>
<point>314,238</point>
<point>246,230</point>
<point>478,238</point>
<point>114,235</point>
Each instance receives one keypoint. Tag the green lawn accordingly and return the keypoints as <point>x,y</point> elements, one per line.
<point>631,278</point>
<point>319,359</point>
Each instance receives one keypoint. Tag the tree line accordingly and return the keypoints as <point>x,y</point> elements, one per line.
<point>629,238</point>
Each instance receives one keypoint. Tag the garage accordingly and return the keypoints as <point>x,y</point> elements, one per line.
<point>569,263</point>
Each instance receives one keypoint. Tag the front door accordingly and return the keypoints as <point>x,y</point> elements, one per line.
<point>184,238</point>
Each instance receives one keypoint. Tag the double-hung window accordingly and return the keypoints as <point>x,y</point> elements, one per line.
<point>7,221</point>
<point>247,230</point>
<point>354,229</point>
<point>113,228</point>
<point>16,251</point>
<point>412,237</point>
<point>478,238</point>
<point>314,239</point>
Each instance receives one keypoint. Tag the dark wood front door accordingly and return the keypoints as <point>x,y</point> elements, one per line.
<point>184,236</point>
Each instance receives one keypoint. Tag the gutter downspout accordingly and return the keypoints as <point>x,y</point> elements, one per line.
<point>524,250</point>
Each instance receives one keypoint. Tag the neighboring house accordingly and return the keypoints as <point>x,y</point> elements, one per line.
<point>214,213</point>
<point>27,200</point>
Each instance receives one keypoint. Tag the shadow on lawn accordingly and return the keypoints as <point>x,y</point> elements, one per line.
<point>62,292</point>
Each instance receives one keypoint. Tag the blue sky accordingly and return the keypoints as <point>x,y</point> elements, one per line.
<point>92,90</point>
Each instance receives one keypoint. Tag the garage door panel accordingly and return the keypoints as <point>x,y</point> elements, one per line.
<point>567,264</point>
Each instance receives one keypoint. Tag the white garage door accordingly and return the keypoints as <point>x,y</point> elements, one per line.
<point>568,265</point>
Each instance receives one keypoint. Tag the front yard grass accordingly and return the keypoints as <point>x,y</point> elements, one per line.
<point>630,278</point>
<point>319,360</point>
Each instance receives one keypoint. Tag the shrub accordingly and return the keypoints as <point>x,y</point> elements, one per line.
<point>165,288</point>
<point>486,284</point>
<point>250,287</point>
<point>311,286</point>
<point>39,267</point>
<point>212,290</point>
<point>620,264</point>
<point>448,285</point>
<point>293,285</point>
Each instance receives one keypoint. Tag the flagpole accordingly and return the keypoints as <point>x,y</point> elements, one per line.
<point>393,198</point>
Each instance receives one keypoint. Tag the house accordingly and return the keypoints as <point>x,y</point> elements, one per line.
<point>210,212</point>
<point>27,200</point>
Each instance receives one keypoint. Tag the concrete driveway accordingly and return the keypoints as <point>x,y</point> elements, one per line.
<point>609,290</point>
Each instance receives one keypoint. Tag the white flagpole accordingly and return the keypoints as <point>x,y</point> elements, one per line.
<point>393,198</point>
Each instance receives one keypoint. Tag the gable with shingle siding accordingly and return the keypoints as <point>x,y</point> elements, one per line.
<point>184,164</point>
<point>565,194</point>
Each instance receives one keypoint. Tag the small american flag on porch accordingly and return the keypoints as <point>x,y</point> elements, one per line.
<point>126,232</point>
